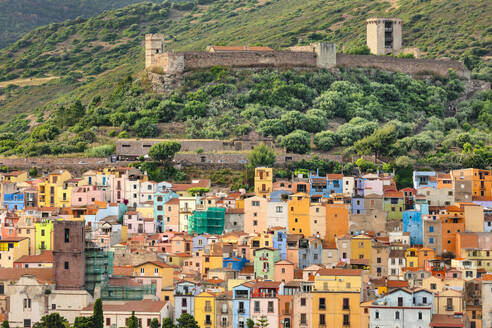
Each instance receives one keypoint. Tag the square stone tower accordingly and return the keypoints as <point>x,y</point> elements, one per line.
<point>154,46</point>
<point>69,255</point>
<point>384,36</point>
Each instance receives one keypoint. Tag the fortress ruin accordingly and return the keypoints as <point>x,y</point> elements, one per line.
<point>383,38</point>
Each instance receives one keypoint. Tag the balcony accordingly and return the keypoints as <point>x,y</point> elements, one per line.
<point>286,312</point>
<point>322,307</point>
<point>207,322</point>
<point>346,307</point>
<point>388,29</point>
<point>449,308</point>
<point>241,311</point>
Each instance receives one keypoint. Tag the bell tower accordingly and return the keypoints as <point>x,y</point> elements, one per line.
<point>154,46</point>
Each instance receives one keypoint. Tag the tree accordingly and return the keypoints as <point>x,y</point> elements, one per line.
<point>98,316</point>
<point>132,322</point>
<point>296,142</point>
<point>84,322</point>
<point>378,143</point>
<point>325,140</point>
<point>198,191</point>
<point>168,323</point>
<point>262,322</point>
<point>164,151</point>
<point>250,323</point>
<point>261,155</point>
<point>187,321</point>
<point>5,324</point>
<point>155,323</point>
<point>145,128</point>
<point>54,320</point>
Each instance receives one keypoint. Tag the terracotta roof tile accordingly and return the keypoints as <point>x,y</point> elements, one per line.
<point>339,272</point>
<point>446,321</point>
<point>12,274</point>
<point>44,257</point>
<point>146,305</point>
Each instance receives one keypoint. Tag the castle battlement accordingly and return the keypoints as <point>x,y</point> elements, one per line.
<point>318,55</point>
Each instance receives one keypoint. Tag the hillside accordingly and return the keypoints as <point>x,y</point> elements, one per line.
<point>89,59</point>
<point>18,17</point>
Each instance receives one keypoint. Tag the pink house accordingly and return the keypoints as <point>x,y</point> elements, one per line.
<point>136,224</point>
<point>87,195</point>
<point>284,271</point>
<point>255,215</point>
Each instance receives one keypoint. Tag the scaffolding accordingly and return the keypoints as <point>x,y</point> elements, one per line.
<point>126,293</point>
<point>210,221</point>
<point>98,268</point>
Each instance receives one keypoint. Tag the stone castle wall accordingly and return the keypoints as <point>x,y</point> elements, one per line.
<point>186,61</point>
<point>403,65</point>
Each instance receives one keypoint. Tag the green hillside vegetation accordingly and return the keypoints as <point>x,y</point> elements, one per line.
<point>93,101</point>
<point>18,17</point>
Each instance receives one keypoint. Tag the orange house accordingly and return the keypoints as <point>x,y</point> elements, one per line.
<point>425,254</point>
<point>481,182</point>
<point>452,222</point>
<point>299,214</point>
<point>444,180</point>
<point>337,222</point>
<point>284,271</point>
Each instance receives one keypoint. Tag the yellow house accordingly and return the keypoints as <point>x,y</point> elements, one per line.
<point>147,211</point>
<point>14,176</point>
<point>361,247</point>
<point>299,214</point>
<point>436,284</point>
<point>210,262</point>
<point>54,192</point>
<point>26,228</point>
<point>336,298</point>
<point>263,181</point>
<point>12,249</point>
<point>156,269</point>
<point>205,309</point>
<point>449,302</point>
<point>412,257</point>
<point>259,241</point>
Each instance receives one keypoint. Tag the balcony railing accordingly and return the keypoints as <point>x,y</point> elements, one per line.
<point>207,322</point>
<point>449,308</point>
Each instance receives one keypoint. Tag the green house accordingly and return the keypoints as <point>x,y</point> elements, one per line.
<point>394,204</point>
<point>210,221</point>
<point>265,259</point>
<point>44,230</point>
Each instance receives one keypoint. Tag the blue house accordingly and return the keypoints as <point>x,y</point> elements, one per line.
<point>184,297</point>
<point>234,262</point>
<point>161,197</point>
<point>318,185</point>
<point>199,242</point>
<point>241,296</point>
<point>357,205</point>
<point>358,187</point>
<point>424,179</point>
<point>335,183</point>
<point>14,201</point>
<point>413,224</point>
<point>280,242</point>
<point>309,252</point>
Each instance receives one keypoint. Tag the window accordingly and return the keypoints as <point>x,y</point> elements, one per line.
<point>27,303</point>
<point>303,301</point>
<point>420,315</point>
<point>322,319</point>
<point>397,315</point>
<point>376,315</point>
<point>322,303</point>
<point>255,203</point>
<point>2,289</point>
<point>433,286</point>
<point>431,229</point>
<point>42,232</point>
<point>66,265</point>
<point>67,235</point>
<point>346,320</point>
<point>278,209</point>
<point>108,321</point>
<point>346,304</point>
<point>27,323</point>
<point>400,301</point>
<point>53,306</point>
<point>156,270</point>
<point>270,306</point>
<point>431,240</point>
<point>303,319</point>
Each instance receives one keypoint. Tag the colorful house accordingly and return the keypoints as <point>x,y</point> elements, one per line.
<point>255,215</point>
<point>299,214</point>
<point>424,179</point>
<point>205,310</point>
<point>12,249</point>
<point>241,296</point>
<point>161,197</point>
<point>54,191</point>
<point>14,201</point>
<point>411,257</point>
<point>264,302</point>
<point>263,181</point>
<point>394,204</point>
<point>264,262</point>
<point>44,235</point>
<point>413,224</point>
<point>337,222</point>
